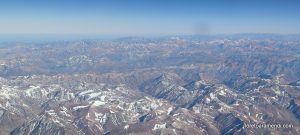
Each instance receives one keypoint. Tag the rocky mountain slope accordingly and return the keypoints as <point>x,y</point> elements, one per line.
<point>178,86</point>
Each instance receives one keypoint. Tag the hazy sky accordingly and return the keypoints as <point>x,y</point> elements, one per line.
<point>149,17</point>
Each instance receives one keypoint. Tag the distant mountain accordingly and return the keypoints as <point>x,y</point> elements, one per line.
<point>184,85</point>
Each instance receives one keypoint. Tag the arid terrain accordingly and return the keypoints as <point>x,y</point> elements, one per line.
<point>180,85</point>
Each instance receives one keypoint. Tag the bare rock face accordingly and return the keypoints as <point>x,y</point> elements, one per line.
<point>38,127</point>
<point>229,124</point>
<point>177,86</point>
<point>295,109</point>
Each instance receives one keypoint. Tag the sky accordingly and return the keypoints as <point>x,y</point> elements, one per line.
<point>149,17</point>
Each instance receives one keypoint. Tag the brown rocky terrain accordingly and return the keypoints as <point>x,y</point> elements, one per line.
<point>184,85</point>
